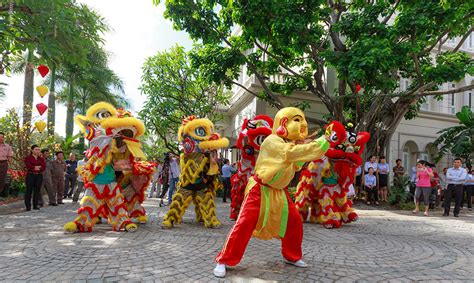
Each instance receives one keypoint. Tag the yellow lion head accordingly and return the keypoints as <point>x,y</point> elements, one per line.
<point>198,135</point>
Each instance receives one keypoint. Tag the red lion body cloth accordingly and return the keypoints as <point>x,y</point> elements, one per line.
<point>324,184</point>
<point>251,136</point>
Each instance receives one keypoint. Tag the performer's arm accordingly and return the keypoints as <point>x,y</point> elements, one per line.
<point>306,152</point>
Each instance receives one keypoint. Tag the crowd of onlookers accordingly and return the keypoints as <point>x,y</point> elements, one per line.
<point>165,178</point>
<point>425,184</point>
<point>49,176</point>
<point>58,179</point>
<point>55,177</point>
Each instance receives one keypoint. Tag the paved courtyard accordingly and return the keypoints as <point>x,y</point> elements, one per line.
<point>383,245</point>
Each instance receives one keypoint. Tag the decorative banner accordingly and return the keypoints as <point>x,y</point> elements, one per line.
<point>40,126</point>
<point>42,90</point>
<point>41,108</point>
<point>43,70</point>
<point>358,88</point>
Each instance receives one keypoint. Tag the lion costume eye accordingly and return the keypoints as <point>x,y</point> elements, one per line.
<point>352,137</point>
<point>103,114</point>
<point>333,137</point>
<point>201,132</point>
<point>258,140</point>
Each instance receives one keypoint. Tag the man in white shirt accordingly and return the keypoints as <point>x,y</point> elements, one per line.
<point>455,178</point>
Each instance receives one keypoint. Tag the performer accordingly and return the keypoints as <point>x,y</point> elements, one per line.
<point>324,185</point>
<point>251,136</point>
<point>267,211</point>
<point>113,147</point>
<point>198,178</point>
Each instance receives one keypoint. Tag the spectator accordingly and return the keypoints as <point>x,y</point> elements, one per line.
<point>156,182</point>
<point>47,181</point>
<point>455,178</point>
<point>398,169</point>
<point>358,182</point>
<point>35,166</point>
<point>413,180</point>
<point>227,172</point>
<point>434,181</point>
<point>6,155</point>
<point>370,183</point>
<point>382,173</point>
<point>173,176</point>
<point>58,171</point>
<point>165,173</point>
<point>71,176</point>
<point>371,162</point>
<point>469,189</point>
<point>423,186</point>
<point>442,187</point>
<point>80,180</point>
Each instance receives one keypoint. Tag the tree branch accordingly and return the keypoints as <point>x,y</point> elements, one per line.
<point>444,92</point>
<point>463,39</point>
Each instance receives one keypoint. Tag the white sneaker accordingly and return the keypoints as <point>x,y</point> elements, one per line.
<point>298,263</point>
<point>219,271</point>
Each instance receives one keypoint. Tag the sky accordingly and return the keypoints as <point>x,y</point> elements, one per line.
<point>138,31</point>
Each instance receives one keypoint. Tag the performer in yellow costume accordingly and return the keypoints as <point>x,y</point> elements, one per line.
<point>268,211</point>
<point>199,169</point>
<point>113,148</point>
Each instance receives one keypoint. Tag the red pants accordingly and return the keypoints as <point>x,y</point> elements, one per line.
<point>240,234</point>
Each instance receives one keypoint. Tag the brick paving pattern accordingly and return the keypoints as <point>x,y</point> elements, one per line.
<point>381,246</point>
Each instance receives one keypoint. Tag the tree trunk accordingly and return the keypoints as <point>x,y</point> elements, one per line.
<point>381,123</point>
<point>81,138</point>
<point>28,90</point>
<point>70,110</point>
<point>52,102</point>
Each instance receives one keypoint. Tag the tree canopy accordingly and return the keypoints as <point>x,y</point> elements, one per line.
<point>368,43</point>
<point>58,30</point>
<point>174,89</point>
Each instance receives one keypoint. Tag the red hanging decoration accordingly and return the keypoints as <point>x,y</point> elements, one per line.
<point>41,108</point>
<point>358,88</point>
<point>43,70</point>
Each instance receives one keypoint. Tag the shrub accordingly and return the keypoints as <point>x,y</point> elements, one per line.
<point>400,190</point>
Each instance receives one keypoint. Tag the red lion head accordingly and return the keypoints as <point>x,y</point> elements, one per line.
<point>252,135</point>
<point>345,150</point>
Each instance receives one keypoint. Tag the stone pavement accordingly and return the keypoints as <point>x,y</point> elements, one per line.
<point>381,246</point>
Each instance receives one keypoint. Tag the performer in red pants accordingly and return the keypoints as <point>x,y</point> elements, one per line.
<point>267,211</point>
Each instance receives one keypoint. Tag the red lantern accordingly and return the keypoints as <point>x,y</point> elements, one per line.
<point>43,70</point>
<point>41,108</point>
<point>358,88</point>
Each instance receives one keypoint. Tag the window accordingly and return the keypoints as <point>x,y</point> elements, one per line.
<point>451,41</point>
<point>452,105</point>
<point>426,105</point>
<point>405,159</point>
<point>424,156</point>
<point>404,84</point>
<point>468,99</point>
<point>470,41</point>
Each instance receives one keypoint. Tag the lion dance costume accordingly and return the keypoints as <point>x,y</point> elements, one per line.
<point>198,180</point>
<point>324,185</point>
<point>251,136</point>
<point>268,211</point>
<point>113,148</point>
